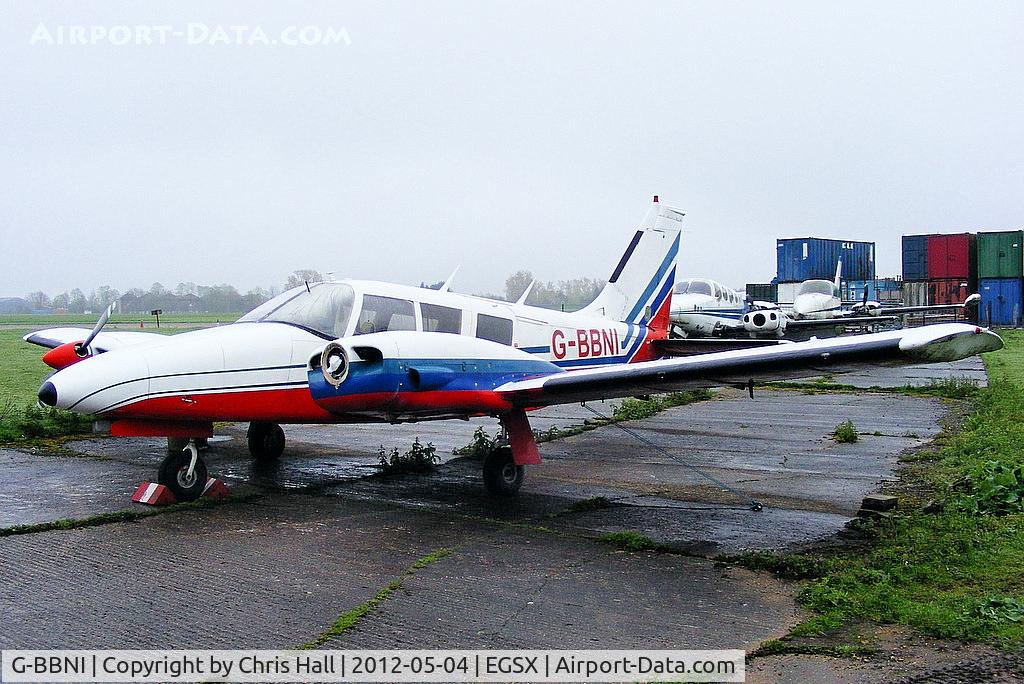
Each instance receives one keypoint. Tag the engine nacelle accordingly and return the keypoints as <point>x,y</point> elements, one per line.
<point>65,355</point>
<point>402,375</point>
<point>767,321</point>
<point>867,309</point>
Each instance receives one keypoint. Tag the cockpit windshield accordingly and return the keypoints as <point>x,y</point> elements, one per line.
<point>822,287</point>
<point>698,287</point>
<point>323,308</point>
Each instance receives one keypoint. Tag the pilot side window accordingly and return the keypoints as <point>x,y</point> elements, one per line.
<point>494,329</point>
<point>385,313</point>
<point>441,319</point>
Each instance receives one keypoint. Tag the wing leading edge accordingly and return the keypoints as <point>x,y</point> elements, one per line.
<point>928,344</point>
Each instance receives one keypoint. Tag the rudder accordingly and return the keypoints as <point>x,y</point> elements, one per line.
<point>642,280</point>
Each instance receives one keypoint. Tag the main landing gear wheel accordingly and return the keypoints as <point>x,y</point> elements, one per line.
<point>501,475</point>
<point>266,441</point>
<point>185,480</point>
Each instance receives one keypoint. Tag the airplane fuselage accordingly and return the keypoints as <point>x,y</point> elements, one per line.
<point>256,369</point>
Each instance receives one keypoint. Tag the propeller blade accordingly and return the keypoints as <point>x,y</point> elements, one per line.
<point>84,346</point>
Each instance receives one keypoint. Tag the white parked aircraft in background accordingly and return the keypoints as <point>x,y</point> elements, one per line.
<point>709,309</point>
<point>701,307</point>
<point>363,351</point>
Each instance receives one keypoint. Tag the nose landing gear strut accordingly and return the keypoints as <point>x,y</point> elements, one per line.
<point>184,473</point>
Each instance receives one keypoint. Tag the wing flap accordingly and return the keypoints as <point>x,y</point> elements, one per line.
<point>929,344</point>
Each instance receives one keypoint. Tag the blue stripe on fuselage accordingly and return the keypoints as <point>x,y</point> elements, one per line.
<point>392,375</point>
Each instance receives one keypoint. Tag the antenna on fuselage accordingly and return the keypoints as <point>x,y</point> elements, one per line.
<point>526,292</point>
<point>448,283</point>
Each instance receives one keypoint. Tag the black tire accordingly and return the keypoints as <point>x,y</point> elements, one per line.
<point>502,476</point>
<point>266,441</point>
<point>173,471</point>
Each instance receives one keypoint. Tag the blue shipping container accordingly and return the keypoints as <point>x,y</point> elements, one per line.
<point>816,258</point>
<point>1000,301</point>
<point>915,257</point>
<point>882,290</point>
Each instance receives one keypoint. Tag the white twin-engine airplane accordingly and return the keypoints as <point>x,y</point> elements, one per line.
<point>704,308</point>
<point>360,351</point>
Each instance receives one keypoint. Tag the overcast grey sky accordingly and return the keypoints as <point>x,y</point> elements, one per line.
<point>498,135</point>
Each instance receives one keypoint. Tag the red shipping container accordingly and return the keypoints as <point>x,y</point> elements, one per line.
<point>950,256</point>
<point>948,291</point>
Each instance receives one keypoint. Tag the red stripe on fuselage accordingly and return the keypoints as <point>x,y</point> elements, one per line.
<point>288,405</point>
<point>427,403</point>
<point>295,405</point>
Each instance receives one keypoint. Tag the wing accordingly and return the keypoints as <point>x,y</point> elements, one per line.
<point>887,310</point>
<point>928,344</point>
<point>806,323</point>
<point>52,338</point>
<point>690,346</point>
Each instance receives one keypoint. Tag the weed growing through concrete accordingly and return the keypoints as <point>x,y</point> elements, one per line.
<point>845,433</point>
<point>346,620</point>
<point>631,541</point>
<point>480,446</point>
<point>638,409</point>
<point>419,459</point>
<point>124,515</point>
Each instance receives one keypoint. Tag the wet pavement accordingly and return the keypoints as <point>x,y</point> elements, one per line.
<point>325,535</point>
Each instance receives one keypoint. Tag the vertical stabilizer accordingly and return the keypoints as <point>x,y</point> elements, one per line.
<point>642,281</point>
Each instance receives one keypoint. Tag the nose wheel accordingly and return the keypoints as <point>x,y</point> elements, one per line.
<point>184,473</point>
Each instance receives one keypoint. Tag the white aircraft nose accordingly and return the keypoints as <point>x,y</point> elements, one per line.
<point>97,383</point>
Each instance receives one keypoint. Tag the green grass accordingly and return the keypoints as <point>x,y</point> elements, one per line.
<point>22,372</point>
<point>89,320</point>
<point>955,574</point>
<point>23,369</point>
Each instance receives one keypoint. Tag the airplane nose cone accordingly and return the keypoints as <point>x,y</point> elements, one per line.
<point>48,394</point>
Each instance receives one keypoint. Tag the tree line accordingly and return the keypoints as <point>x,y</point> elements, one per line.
<point>189,297</point>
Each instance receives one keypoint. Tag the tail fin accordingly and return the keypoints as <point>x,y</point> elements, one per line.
<point>642,281</point>
<point>839,274</point>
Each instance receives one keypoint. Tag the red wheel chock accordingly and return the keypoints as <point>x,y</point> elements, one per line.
<point>153,494</point>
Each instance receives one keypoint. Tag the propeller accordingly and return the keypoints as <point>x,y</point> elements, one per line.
<point>82,348</point>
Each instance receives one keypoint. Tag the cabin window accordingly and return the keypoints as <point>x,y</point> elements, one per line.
<point>385,313</point>
<point>494,329</point>
<point>442,319</point>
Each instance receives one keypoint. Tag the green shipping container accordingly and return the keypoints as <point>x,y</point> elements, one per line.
<point>1000,255</point>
